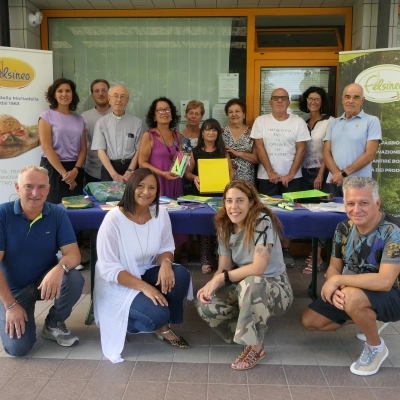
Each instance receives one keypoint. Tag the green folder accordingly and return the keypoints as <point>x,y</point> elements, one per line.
<point>305,196</point>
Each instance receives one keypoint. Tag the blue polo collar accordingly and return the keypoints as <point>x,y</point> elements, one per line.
<point>359,115</point>
<point>18,208</point>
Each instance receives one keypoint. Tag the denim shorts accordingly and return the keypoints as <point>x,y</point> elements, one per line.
<point>385,304</point>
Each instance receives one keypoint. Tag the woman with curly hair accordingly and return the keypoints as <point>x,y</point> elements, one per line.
<point>237,302</point>
<point>315,101</point>
<point>63,139</point>
<point>160,143</point>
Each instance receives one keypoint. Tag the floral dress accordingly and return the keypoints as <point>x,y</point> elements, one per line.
<point>243,169</point>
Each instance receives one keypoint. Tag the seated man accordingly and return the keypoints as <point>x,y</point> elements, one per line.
<point>363,276</point>
<point>31,233</point>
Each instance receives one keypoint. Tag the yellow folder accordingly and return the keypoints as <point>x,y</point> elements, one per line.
<point>213,174</point>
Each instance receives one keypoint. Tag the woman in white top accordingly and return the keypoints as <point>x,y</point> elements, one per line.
<point>138,288</point>
<point>237,303</point>
<point>315,101</point>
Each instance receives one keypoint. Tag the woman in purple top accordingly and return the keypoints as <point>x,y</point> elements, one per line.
<point>63,140</point>
<point>160,144</point>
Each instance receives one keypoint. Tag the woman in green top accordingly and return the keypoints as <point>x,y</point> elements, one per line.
<point>237,302</point>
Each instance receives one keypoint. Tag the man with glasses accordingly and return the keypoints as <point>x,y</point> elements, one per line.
<point>280,140</point>
<point>351,141</point>
<point>116,138</point>
<point>99,89</point>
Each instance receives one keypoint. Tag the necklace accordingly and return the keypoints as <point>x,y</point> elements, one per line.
<point>174,143</point>
<point>147,243</point>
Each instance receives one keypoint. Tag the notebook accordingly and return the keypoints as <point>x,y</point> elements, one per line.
<point>306,196</point>
<point>213,174</point>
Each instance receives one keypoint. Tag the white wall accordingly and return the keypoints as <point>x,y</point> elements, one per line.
<point>365,19</point>
<point>22,34</point>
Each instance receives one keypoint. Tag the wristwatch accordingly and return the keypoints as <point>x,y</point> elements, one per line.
<point>65,268</point>
<point>78,168</point>
<point>344,174</point>
<point>226,277</point>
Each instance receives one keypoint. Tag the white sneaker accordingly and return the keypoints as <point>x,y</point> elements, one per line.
<point>379,324</point>
<point>369,361</point>
<point>79,267</point>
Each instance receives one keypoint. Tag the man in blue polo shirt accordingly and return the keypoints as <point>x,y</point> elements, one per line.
<point>351,140</point>
<point>31,233</point>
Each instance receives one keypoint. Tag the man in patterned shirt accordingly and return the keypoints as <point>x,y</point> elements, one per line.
<point>362,283</point>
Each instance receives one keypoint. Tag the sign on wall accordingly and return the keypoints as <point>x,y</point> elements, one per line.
<point>25,75</point>
<point>378,72</point>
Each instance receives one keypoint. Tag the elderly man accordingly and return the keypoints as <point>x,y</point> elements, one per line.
<point>280,140</point>
<point>363,276</point>
<point>351,141</point>
<point>31,232</point>
<point>117,137</point>
<point>99,89</point>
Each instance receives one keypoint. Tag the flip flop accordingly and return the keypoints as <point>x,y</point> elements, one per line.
<point>307,270</point>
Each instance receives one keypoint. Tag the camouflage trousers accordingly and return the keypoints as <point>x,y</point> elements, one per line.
<point>239,312</point>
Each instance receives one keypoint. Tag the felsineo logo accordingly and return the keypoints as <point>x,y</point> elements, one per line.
<point>15,73</point>
<point>381,83</point>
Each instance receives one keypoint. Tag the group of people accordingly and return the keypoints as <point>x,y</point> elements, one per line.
<point>138,286</point>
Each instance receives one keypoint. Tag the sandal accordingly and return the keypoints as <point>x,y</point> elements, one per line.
<point>206,269</point>
<point>250,357</point>
<point>179,342</point>
<point>307,270</point>
<point>184,257</point>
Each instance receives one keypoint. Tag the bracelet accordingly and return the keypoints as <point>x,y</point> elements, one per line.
<point>78,168</point>
<point>11,305</point>
<point>144,288</point>
<point>62,173</point>
<point>131,170</point>
<point>166,259</point>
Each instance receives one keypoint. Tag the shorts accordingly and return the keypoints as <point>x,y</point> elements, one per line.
<point>385,304</point>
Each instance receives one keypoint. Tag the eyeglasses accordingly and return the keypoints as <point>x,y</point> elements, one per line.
<point>315,100</point>
<point>193,114</point>
<point>211,130</point>
<point>97,91</point>
<point>276,98</point>
<point>119,96</point>
<point>163,111</point>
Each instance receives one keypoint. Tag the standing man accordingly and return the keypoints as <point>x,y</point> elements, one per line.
<point>31,232</point>
<point>363,278</point>
<point>280,140</point>
<point>117,137</point>
<point>99,89</point>
<point>351,141</point>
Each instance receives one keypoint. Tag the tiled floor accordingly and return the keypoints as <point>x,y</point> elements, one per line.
<point>299,364</point>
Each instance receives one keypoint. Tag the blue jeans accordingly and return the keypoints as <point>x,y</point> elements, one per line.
<point>71,290</point>
<point>145,316</point>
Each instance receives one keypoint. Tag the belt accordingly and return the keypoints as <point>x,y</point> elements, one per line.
<point>311,169</point>
<point>122,161</point>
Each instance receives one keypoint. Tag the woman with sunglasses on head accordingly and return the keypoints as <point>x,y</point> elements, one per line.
<point>209,146</point>
<point>238,142</point>
<point>138,287</point>
<point>315,101</point>
<point>160,143</point>
<point>237,303</point>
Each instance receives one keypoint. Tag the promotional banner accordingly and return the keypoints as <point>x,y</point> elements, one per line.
<point>25,75</point>
<point>378,72</point>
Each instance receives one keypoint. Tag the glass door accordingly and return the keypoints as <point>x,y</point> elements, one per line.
<point>295,79</point>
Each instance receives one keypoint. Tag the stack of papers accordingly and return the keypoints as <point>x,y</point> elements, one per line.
<point>325,207</point>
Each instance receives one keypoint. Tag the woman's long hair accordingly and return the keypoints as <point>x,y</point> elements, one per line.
<point>212,123</point>
<point>224,225</point>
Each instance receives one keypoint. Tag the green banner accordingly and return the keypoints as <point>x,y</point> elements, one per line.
<point>378,72</point>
